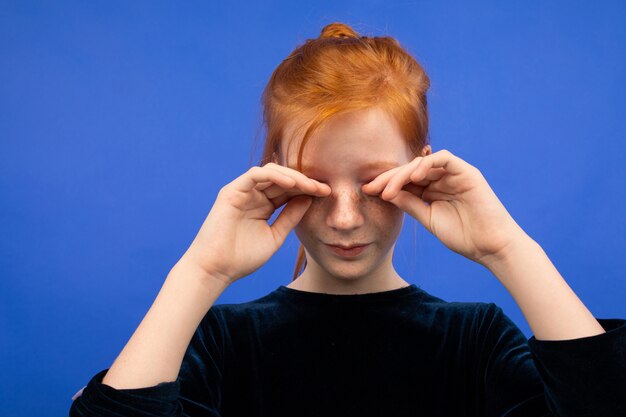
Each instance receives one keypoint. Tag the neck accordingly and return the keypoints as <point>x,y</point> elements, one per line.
<point>317,280</point>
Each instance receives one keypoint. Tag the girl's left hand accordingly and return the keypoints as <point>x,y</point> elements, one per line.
<point>453,201</point>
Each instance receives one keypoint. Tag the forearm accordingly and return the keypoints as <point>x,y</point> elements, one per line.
<point>155,351</point>
<point>552,309</point>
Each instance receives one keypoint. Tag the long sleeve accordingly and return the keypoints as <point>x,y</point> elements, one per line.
<point>585,376</point>
<point>565,378</point>
<point>398,353</point>
<point>196,391</point>
<point>508,381</point>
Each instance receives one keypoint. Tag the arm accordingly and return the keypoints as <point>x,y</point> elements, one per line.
<point>579,377</point>
<point>552,309</point>
<point>197,385</point>
<point>155,351</point>
<point>176,345</point>
<point>581,360</point>
<point>453,200</point>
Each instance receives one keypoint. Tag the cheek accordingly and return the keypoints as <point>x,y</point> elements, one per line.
<point>389,222</point>
<point>384,212</point>
<point>308,222</point>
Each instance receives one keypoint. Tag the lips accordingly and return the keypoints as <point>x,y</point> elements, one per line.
<point>348,251</point>
<point>348,246</point>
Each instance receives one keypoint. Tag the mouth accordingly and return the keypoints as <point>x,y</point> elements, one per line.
<point>348,251</point>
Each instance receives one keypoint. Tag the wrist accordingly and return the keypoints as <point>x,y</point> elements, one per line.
<point>194,274</point>
<point>195,258</point>
<point>515,249</point>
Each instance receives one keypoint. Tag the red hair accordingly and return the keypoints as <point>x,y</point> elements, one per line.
<point>338,72</point>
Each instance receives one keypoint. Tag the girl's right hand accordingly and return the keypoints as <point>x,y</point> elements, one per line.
<point>235,239</point>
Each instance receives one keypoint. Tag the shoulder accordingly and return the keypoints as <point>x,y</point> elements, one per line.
<point>467,317</point>
<point>234,313</point>
<point>431,304</point>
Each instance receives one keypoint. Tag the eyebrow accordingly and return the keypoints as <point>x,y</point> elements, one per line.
<point>368,166</point>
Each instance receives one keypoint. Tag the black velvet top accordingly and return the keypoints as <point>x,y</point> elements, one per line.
<point>401,352</point>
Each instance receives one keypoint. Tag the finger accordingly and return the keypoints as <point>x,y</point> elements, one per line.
<point>418,190</point>
<point>304,183</point>
<point>280,200</point>
<point>427,193</point>
<point>263,185</point>
<point>289,217</point>
<point>256,176</point>
<point>272,191</point>
<point>400,179</point>
<point>441,186</point>
<point>278,196</point>
<point>432,175</point>
<point>415,206</point>
<point>247,181</point>
<point>377,184</point>
<point>431,179</point>
<point>430,195</point>
<point>441,159</point>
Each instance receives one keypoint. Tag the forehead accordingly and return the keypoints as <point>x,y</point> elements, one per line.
<point>367,165</point>
<point>362,140</point>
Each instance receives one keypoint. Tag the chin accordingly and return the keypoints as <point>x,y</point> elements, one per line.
<point>347,270</point>
<point>343,274</point>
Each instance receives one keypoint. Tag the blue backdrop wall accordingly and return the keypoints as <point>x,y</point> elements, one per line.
<point>120,121</point>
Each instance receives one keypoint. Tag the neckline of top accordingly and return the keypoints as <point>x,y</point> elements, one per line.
<point>372,296</point>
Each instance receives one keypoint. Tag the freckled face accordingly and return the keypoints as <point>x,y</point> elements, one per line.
<point>346,152</point>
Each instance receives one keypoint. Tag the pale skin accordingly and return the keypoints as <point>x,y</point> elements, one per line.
<point>348,151</point>
<point>451,199</point>
<point>467,217</point>
<point>354,204</point>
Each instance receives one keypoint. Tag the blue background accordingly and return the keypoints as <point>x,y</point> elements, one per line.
<point>120,122</point>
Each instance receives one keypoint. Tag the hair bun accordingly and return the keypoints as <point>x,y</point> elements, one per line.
<point>338,30</point>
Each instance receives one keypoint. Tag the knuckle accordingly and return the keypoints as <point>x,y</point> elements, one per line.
<point>223,192</point>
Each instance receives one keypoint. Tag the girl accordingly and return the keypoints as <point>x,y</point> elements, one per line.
<point>346,153</point>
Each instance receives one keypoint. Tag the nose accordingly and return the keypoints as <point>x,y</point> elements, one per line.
<point>345,208</point>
